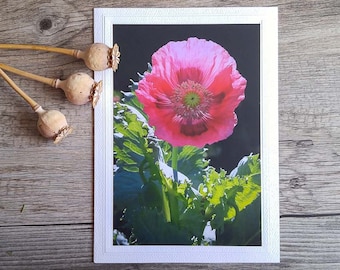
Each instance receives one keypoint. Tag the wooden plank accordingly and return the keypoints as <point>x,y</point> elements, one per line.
<point>46,191</point>
<point>58,194</point>
<point>304,241</point>
<point>309,110</point>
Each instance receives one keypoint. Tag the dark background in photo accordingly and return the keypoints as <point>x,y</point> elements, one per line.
<point>242,41</point>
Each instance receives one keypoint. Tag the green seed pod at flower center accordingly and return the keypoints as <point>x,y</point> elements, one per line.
<point>192,99</point>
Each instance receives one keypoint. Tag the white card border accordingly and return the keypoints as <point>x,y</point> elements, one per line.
<point>104,251</point>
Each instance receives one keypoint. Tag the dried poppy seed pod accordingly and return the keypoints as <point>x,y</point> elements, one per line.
<point>52,124</point>
<point>97,57</point>
<point>80,88</point>
<point>100,57</point>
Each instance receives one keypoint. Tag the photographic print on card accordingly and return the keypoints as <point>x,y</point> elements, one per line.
<point>187,135</point>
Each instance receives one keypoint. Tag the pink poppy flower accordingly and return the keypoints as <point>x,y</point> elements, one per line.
<point>192,92</point>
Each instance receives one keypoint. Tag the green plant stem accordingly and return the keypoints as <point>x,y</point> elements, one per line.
<point>174,161</point>
<point>174,157</point>
<point>173,202</point>
<point>166,206</point>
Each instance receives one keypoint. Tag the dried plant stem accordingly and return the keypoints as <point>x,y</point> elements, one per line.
<point>71,52</point>
<point>45,80</point>
<point>26,97</point>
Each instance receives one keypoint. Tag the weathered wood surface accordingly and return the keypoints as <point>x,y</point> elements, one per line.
<point>46,191</point>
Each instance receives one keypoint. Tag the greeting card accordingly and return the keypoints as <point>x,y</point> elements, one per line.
<point>186,136</point>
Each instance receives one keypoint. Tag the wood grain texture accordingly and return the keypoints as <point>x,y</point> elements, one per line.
<point>70,246</point>
<point>46,190</point>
